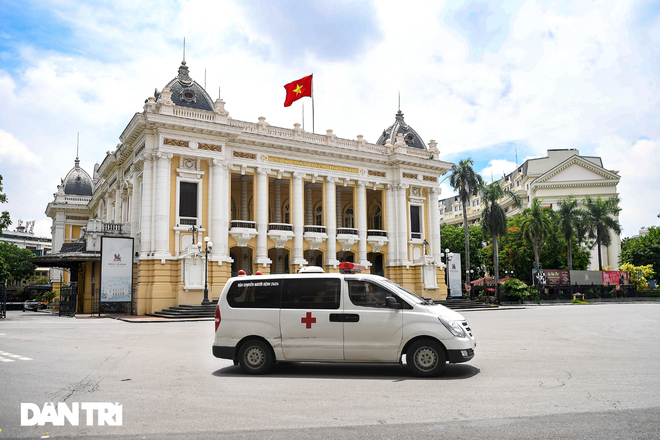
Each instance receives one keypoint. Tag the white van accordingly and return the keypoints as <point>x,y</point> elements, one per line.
<point>314,316</point>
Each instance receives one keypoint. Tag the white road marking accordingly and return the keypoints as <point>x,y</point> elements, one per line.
<point>15,356</point>
<point>6,360</point>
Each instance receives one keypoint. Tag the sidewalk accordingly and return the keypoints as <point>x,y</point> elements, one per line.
<point>130,318</point>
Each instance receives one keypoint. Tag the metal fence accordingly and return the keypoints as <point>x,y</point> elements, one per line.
<point>69,300</point>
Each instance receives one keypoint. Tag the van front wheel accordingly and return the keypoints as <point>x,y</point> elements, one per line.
<point>426,358</point>
<point>255,357</point>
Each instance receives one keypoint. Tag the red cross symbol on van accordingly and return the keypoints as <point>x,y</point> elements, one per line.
<point>308,320</point>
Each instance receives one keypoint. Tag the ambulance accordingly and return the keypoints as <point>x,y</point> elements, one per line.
<point>314,316</point>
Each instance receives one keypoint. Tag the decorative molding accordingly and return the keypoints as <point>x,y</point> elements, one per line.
<point>210,147</point>
<point>76,217</point>
<point>377,173</point>
<point>139,150</point>
<point>245,155</point>
<point>430,178</point>
<point>176,143</point>
<point>410,175</point>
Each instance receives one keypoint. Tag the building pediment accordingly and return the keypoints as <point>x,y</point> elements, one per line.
<point>579,171</point>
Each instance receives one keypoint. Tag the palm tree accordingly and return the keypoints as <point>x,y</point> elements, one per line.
<point>535,227</point>
<point>464,180</point>
<point>571,222</point>
<point>600,221</point>
<point>493,218</point>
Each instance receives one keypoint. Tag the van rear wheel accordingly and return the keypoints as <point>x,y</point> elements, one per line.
<point>426,358</point>
<point>255,357</point>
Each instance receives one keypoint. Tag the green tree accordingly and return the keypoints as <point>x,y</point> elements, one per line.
<point>600,221</point>
<point>464,180</point>
<point>493,218</point>
<point>451,237</point>
<point>536,226</point>
<point>639,275</point>
<point>5,221</point>
<point>14,263</point>
<point>571,222</point>
<point>642,250</point>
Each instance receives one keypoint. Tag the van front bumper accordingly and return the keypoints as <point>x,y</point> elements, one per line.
<point>458,356</point>
<point>223,352</point>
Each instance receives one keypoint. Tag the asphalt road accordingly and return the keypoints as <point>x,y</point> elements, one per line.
<point>541,372</point>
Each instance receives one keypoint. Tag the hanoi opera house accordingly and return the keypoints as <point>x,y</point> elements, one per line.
<point>270,199</point>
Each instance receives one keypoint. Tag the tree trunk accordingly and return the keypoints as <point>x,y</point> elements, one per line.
<point>467,246</point>
<point>569,255</point>
<point>600,258</point>
<point>496,266</point>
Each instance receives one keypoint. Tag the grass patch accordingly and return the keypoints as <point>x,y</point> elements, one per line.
<point>578,301</point>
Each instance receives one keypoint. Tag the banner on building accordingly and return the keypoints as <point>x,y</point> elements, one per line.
<point>116,269</point>
<point>455,275</point>
<point>557,277</point>
<point>614,277</point>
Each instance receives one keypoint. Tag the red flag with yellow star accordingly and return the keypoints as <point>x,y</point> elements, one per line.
<point>298,89</point>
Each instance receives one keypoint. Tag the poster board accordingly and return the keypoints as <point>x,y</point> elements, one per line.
<point>116,269</point>
<point>455,276</point>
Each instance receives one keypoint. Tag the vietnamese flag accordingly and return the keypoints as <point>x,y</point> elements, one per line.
<point>298,89</point>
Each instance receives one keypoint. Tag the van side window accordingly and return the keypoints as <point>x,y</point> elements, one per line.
<point>365,294</point>
<point>255,294</point>
<point>311,293</point>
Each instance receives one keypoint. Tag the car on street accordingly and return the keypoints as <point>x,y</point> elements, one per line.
<point>31,305</point>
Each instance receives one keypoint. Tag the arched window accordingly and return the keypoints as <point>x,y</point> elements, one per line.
<point>375,216</point>
<point>348,216</point>
<point>318,214</point>
<point>285,212</point>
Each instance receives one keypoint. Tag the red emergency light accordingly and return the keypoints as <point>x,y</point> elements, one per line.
<point>351,267</point>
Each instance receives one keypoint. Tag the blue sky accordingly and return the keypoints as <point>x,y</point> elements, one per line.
<point>481,78</point>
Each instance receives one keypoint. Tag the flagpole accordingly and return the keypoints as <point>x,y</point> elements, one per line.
<point>313,131</point>
<point>303,115</point>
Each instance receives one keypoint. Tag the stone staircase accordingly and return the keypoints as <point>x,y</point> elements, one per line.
<point>187,312</point>
<point>462,304</point>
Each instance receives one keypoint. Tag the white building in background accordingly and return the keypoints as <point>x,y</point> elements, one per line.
<point>560,174</point>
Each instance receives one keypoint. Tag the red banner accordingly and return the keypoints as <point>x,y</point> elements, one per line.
<point>614,276</point>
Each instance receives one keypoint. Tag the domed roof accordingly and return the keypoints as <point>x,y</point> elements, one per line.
<point>410,136</point>
<point>187,93</point>
<point>78,182</point>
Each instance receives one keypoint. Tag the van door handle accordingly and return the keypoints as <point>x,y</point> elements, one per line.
<point>344,317</point>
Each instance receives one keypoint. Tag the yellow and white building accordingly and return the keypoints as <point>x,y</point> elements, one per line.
<point>270,199</point>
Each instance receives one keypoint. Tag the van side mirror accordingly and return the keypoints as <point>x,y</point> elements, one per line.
<point>392,303</point>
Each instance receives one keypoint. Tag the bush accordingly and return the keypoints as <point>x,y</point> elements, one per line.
<point>516,289</point>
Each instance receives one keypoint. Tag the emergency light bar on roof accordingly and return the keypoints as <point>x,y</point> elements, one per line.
<point>351,267</point>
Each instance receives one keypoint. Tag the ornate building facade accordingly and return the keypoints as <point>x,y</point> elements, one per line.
<point>560,174</point>
<point>270,199</point>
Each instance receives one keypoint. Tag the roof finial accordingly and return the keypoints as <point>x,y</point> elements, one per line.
<point>77,150</point>
<point>184,50</point>
<point>399,100</point>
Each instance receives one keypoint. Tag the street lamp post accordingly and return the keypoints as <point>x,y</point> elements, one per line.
<point>448,258</point>
<point>207,250</point>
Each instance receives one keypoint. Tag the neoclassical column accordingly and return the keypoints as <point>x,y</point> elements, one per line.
<point>298,219</point>
<point>219,210</point>
<point>339,213</point>
<point>361,213</point>
<point>278,201</point>
<point>390,219</point>
<point>244,199</point>
<point>162,200</point>
<point>331,221</point>
<point>135,201</point>
<point>402,224</point>
<point>262,217</point>
<point>118,202</point>
<point>146,206</point>
<point>309,217</point>
<point>434,227</point>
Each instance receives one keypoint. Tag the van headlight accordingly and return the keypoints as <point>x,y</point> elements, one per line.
<point>453,326</point>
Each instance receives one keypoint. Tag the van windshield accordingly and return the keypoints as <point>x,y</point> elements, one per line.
<point>403,293</point>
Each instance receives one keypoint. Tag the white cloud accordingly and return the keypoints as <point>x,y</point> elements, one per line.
<point>638,164</point>
<point>15,151</point>
<point>496,169</point>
